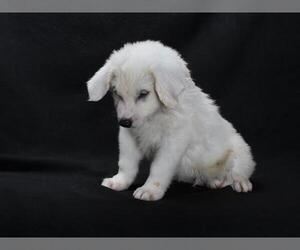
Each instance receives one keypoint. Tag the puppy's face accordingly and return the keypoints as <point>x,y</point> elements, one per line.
<point>134,97</point>
<point>144,78</point>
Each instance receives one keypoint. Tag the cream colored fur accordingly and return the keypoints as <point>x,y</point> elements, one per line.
<point>176,125</point>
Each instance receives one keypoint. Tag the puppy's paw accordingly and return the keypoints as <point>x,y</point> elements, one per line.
<point>149,193</point>
<point>241,184</point>
<point>216,183</point>
<point>117,183</point>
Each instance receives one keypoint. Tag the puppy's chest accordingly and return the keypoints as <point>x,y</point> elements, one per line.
<point>148,139</point>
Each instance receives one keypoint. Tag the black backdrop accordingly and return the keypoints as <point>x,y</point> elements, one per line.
<point>55,147</point>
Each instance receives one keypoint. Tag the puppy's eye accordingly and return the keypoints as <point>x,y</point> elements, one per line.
<point>143,93</point>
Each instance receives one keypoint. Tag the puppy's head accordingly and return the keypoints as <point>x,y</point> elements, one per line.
<point>144,78</point>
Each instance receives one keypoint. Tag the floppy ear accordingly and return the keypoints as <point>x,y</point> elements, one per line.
<point>98,85</point>
<point>169,82</point>
<point>162,85</point>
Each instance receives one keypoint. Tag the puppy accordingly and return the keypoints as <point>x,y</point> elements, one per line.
<point>164,116</point>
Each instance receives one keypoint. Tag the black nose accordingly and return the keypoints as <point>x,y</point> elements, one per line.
<point>125,123</point>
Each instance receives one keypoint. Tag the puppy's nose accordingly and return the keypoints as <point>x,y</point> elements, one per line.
<point>126,123</point>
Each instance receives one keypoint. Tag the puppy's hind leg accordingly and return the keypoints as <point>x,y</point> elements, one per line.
<point>217,183</point>
<point>128,163</point>
<point>217,174</point>
<point>243,166</point>
<point>241,184</point>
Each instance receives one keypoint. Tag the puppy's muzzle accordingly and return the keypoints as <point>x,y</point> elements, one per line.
<point>126,123</point>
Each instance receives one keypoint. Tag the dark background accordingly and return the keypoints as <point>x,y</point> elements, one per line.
<point>55,147</point>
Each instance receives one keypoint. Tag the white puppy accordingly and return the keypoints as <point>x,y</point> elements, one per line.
<point>165,116</point>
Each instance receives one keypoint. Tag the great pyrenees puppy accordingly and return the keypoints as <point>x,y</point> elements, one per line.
<point>164,116</point>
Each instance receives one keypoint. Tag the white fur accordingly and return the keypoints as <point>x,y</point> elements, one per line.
<point>177,125</point>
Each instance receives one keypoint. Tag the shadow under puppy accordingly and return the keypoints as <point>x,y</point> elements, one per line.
<point>165,116</point>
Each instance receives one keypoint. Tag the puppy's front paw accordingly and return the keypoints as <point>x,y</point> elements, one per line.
<point>117,183</point>
<point>149,193</point>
